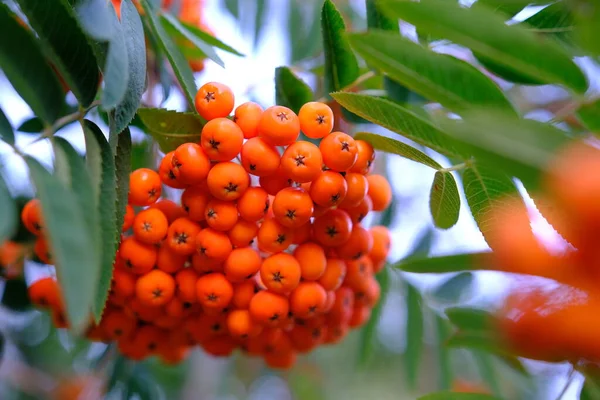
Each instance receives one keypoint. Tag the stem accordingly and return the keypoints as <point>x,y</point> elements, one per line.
<point>457,167</point>
<point>357,82</point>
<point>570,377</point>
<point>67,119</point>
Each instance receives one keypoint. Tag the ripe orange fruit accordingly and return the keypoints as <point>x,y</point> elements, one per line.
<point>247,116</point>
<point>302,162</point>
<point>279,126</point>
<point>214,100</point>
<point>221,139</point>
<point>316,119</point>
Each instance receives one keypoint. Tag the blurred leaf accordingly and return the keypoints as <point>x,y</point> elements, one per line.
<point>443,354</point>
<point>508,7</point>
<point>414,335</point>
<point>206,49</point>
<point>101,163</point>
<point>260,15</point>
<point>15,296</point>
<point>122,171</point>
<point>71,52</point>
<point>444,200</point>
<point>505,73</point>
<point>304,30</point>
<point>209,39</point>
<point>454,289</point>
<point>470,319</point>
<point>486,33</point>
<point>6,130</point>
<point>473,340</point>
<point>443,264</point>
<point>135,41</point>
<point>31,125</point>
<point>377,20</point>
<point>71,247</point>
<point>171,128</point>
<point>514,363</point>
<point>454,83</point>
<point>555,21</point>
<point>141,154</point>
<point>291,91</point>
<point>457,396</point>
<point>233,7</point>
<point>487,371</point>
<point>392,146</point>
<point>180,65</point>
<point>369,331</point>
<point>397,119</point>
<point>23,63</point>
<point>590,389</point>
<point>484,188</point>
<point>587,15</point>
<point>422,245</point>
<point>589,114</point>
<point>341,66</point>
<point>8,213</point>
<point>395,91</point>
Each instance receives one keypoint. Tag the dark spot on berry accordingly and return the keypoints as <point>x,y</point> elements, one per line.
<point>210,96</point>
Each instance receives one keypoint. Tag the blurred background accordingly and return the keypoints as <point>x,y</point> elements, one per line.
<point>404,340</point>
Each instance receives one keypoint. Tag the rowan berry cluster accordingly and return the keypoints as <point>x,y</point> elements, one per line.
<point>266,252</point>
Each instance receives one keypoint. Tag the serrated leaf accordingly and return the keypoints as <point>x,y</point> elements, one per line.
<point>180,65</point>
<point>383,143</point>
<point>454,289</point>
<point>135,42</point>
<point>341,66</point>
<point>8,212</point>
<point>444,200</point>
<point>6,130</point>
<point>486,33</point>
<point>589,114</point>
<point>206,49</point>
<point>122,171</point>
<point>470,319</point>
<point>101,164</point>
<point>291,91</point>
<point>398,119</point>
<point>71,248</point>
<point>32,125</point>
<point>454,83</point>
<point>370,329</point>
<point>72,54</point>
<point>414,335</point>
<point>443,264</point>
<point>457,396</point>
<point>443,354</point>
<point>23,63</point>
<point>171,128</point>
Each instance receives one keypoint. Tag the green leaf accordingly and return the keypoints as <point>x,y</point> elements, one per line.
<point>392,146</point>
<point>486,33</point>
<point>377,20</point>
<point>398,119</point>
<point>291,91</point>
<point>470,319</point>
<point>122,171</point>
<point>171,128</point>
<point>443,264</point>
<point>457,396</point>
<point>444,200</point>
<point>477,340</point>
<point>590,389</point>
<point>443,354</point>
<point>454,289</point>
<point>6,130</point>
<point>210,39</point>
<point>71,52</point>
<point>508,7</point>
<point>8,213</point>
<point>414,335</point>
<point>101,163</point>
<point>262,11</point>
<point>32,125</point>
<point>395,91</point>
<point>24,65</point>
<point>589,114</point>
<point>369,331</point>
<point>71,248</point>
<point>135,41</point>
<point>487,371</point>
<point>180,65</point>
<point>587,15</point>
<point>505,73</point>
<point>556,21</point>
<point>304,30</point>
<point>341,66</point>
<point>206,49</point>
<point>233,6</point>
<point>454,83</point>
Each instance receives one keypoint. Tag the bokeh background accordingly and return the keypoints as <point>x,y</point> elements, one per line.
<point>370,363</point>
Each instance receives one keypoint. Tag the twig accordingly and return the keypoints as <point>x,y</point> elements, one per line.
<point>357,82</point>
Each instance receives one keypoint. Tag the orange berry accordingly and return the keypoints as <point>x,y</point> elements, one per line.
<point>214,291</point>
<point>302,162</point>
<point>42,251</point>
<point>169,261</point>
<point>273,237</point>
<point>316,119</point>
<point>292,207</point>
<point>357,273</point>
<point>221,215</point>
<point>341,311</point>
<point>329,189</point>
<point>228,181</point>
<point>312,260</point>
<point>247,116</point>
<point>365,157</point>
<point>176,308</point>
<point>203,264</point>
<point>339,151</point>
<point>381,246</point>
<point>185,285</point>
<point>243,293</point>
<point>150,338</point>
<point>280,273</point>
<point>194,200</point>
<point>268,308</point>
<point>253,204</point>
<point>213,244</point>
<point>150,226</point>
<point>190,164</point>
<point>305,338</point>
<point>155,288</point>
<point>214,100</point>
<point>31,216</point>
<point>332,228</point>
<point>242,264</point>
<point>360,315</point>
<point>358,212</point>
<point>123,284</point>
<point>260,158</point>
<point>144,187</point>
<point>45,293</point>
<point>117,324</point>
<point>181,236</point>
<point>139,257</point>
<point>276,182</point>
<point>166,171</point>
<point>380,192</point>
<point>243,233</point>
<point>220,346</point>
<point>128,218</point>
<point>334,275</point>
<point>171,210</point>
<point>358,245</point>
<point>59,319</point>
<point>285,360</point>
<point>279,126</point>
<point>221,139</point>
<point>307,300</point>
<point>358,186</point>
<point>302,233</point>
<point>241,325</point>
